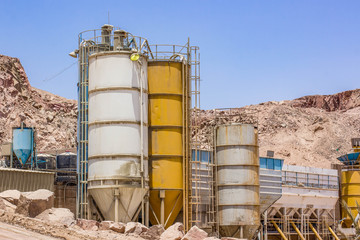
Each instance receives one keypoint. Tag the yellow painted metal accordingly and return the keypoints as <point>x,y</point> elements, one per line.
<point>297,230</point>
<point>333,233</point>
<point>166,119</point>
<point>350,193</point>
<point>279,230</point>
<point>315,232</point>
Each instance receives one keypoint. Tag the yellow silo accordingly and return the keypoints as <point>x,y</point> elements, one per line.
<point>350,192</point>
<point>350,181</point>
<point>167,82</point>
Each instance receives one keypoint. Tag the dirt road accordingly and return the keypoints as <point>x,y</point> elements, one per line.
<point>10,232</point>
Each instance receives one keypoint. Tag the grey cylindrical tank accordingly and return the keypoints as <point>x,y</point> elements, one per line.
<point>237,159</point>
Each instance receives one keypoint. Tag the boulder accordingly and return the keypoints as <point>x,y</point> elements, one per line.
<point>153,233</point>
<point>118,227</point>
<point>23,206</point>
<point>7,206</point>
<point>135,227</point>
<point>211,238</point>
<point>85,224</point>
<point>11,196</point>
<point>174,232</point>
<point>195,233</point>
<point>105,225</point>
<point>231,238</point>
<point>61,216</point>
<point>33,203</point>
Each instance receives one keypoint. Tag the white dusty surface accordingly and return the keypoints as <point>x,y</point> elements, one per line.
<point>10,232</point>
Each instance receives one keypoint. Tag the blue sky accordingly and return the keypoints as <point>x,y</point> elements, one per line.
<point>251,51</point>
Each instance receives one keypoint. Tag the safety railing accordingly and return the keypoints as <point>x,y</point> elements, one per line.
<point>309,180</point>
<point>96,41</point>
<point>170,52</point>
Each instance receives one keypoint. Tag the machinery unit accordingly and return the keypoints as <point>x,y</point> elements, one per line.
<point>66,167</point>
<point>23,147</point>
<point>168,136</point>
<point>113,118</point>
<point>350,181</point>
<point>306,208</point>
<point>237,182</point>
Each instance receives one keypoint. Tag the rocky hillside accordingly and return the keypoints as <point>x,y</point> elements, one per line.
<point>53,117</point>
<point>309,131</point>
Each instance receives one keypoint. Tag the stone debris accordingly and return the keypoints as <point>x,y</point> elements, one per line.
<point>7,206</point>
<point>58,216</point>
<point>195,233</point>
<point>85,224</point>
<point>135,227</point>
<point>211,238</point>
<point>231,238</point>
<point>105,225</point>
<point>174,232</point>
<point>11,196</point>
<point>153,233</point>
<point>118,227</point>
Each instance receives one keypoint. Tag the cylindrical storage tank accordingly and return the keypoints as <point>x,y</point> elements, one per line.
<point>350,193</point>
<point>66,164</point>
<point>23,143</point>
<point>167,115</point>
<point>117,133</point>
<point>47,161</point>
<point>237,161</point>
<point>66,160</point>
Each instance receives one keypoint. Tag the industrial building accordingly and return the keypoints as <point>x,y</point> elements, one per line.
<point>140,156</point>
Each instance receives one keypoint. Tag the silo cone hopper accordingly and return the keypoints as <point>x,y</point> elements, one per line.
<point>23,143</point>
<point>121,204</point>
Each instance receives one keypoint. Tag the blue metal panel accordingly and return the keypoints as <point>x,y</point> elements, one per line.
<point>201,155</point>
<point>349,159</point>
<point>23,143</point>
<point>271,163</point>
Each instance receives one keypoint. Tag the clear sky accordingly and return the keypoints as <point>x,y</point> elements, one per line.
<point>251,51</point>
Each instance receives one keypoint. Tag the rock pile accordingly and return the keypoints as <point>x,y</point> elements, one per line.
<point>34,211</point>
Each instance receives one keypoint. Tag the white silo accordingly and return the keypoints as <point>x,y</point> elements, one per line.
<point>117,124</point>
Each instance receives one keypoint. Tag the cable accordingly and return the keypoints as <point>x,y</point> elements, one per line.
<point>51,78</point>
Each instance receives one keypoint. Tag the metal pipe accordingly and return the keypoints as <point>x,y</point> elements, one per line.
<point>162,206</point>
<point>147,212</point>
<point>11,156</point>
<point>297,230</point>
<point>142,140</point>
<point>315,232</point>
<point>116,194</point>
<point>333,233</point>
<point>279,230</point>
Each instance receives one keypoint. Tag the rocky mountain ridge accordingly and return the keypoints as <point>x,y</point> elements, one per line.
<point>53,117</point>
<point>308,131</point>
